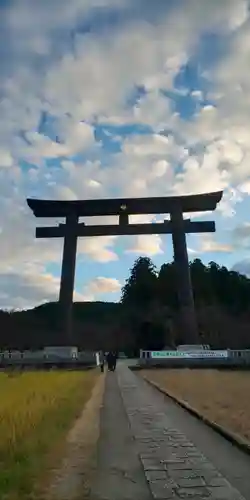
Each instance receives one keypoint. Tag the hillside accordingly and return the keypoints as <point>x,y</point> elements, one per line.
<point>39,326</point>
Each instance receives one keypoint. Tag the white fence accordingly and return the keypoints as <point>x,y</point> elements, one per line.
<point>47,356</point>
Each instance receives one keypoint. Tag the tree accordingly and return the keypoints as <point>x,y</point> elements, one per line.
<point>150,336</point>
<point>166,289</point>
<point>141,286</point>
<point>139,297</point>
<point>201,283</point>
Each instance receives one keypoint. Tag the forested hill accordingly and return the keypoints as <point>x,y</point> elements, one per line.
<point>37,327</point>
<point>147,315</point>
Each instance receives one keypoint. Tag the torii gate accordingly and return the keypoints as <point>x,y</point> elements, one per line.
<point>123,208</point>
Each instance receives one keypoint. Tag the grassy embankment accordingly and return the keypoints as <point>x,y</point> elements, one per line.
<point>36,411</point>
<point>221,396</point>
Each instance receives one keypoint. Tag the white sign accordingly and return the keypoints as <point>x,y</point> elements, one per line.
<point>188,354</point>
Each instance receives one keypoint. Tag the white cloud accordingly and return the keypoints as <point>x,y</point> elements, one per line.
<point>65,193</point>
<point>241,234</point>
<point>44,147</point>
<point>6,159</point>
<point>147,245</point>
<point>149,145</point>
<point>245,187</point>
<point>227,205</point>
<point>77,136</point>
<point>100,287</point>
<point>95,79</point>
<point>201,175</point>
<point>92,183</point>
<point>86,180</point>
<point>209,244</point>
<point>153,110</point>
<point>160,168</point>
<point>192,251</point>
<point>29,287</point>
<point>98,248</point>
<point>84,79</point>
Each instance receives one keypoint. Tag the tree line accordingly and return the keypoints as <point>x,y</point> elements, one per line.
<point>151,296</point>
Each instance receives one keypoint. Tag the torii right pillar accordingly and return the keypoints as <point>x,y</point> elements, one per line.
<point>188,321</point>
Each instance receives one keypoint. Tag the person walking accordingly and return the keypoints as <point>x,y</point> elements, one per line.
<point>110,360</point>
<point>114,360</point>
<point>101,360</point>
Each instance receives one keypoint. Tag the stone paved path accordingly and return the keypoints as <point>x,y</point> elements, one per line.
<point>152,457</point>
<point>119,475</point>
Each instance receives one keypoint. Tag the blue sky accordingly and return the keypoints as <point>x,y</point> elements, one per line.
<point>117,98</point>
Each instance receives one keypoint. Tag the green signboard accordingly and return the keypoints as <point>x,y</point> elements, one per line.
<point>168,354</point>
<point>189,354</point>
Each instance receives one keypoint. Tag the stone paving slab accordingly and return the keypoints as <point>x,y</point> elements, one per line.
<point>119,474</point>
<point>174,467</point>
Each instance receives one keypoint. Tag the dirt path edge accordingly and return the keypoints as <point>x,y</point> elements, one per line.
<point>72,479</point>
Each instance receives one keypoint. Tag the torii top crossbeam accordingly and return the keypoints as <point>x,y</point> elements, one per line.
<point>131,206</point>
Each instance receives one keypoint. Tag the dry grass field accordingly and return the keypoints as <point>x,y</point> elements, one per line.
<point>221,396</point>
<point>37,410</point>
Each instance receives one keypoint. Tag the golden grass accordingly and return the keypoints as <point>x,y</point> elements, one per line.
<point>222,396</point>
<point>36,411</point>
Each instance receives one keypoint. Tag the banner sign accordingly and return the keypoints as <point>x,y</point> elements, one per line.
<point>188,354</point>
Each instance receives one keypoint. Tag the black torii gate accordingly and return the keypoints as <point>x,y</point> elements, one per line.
<point>123,208</point>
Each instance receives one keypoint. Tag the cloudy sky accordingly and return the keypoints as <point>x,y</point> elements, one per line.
<point>110,98</point>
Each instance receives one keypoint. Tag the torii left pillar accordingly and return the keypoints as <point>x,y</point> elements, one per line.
<point>68,277</point>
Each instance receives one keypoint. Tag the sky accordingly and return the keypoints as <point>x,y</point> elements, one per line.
<point>120,98</point>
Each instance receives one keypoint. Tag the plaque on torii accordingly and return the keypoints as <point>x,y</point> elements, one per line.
<point>176,206</point>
